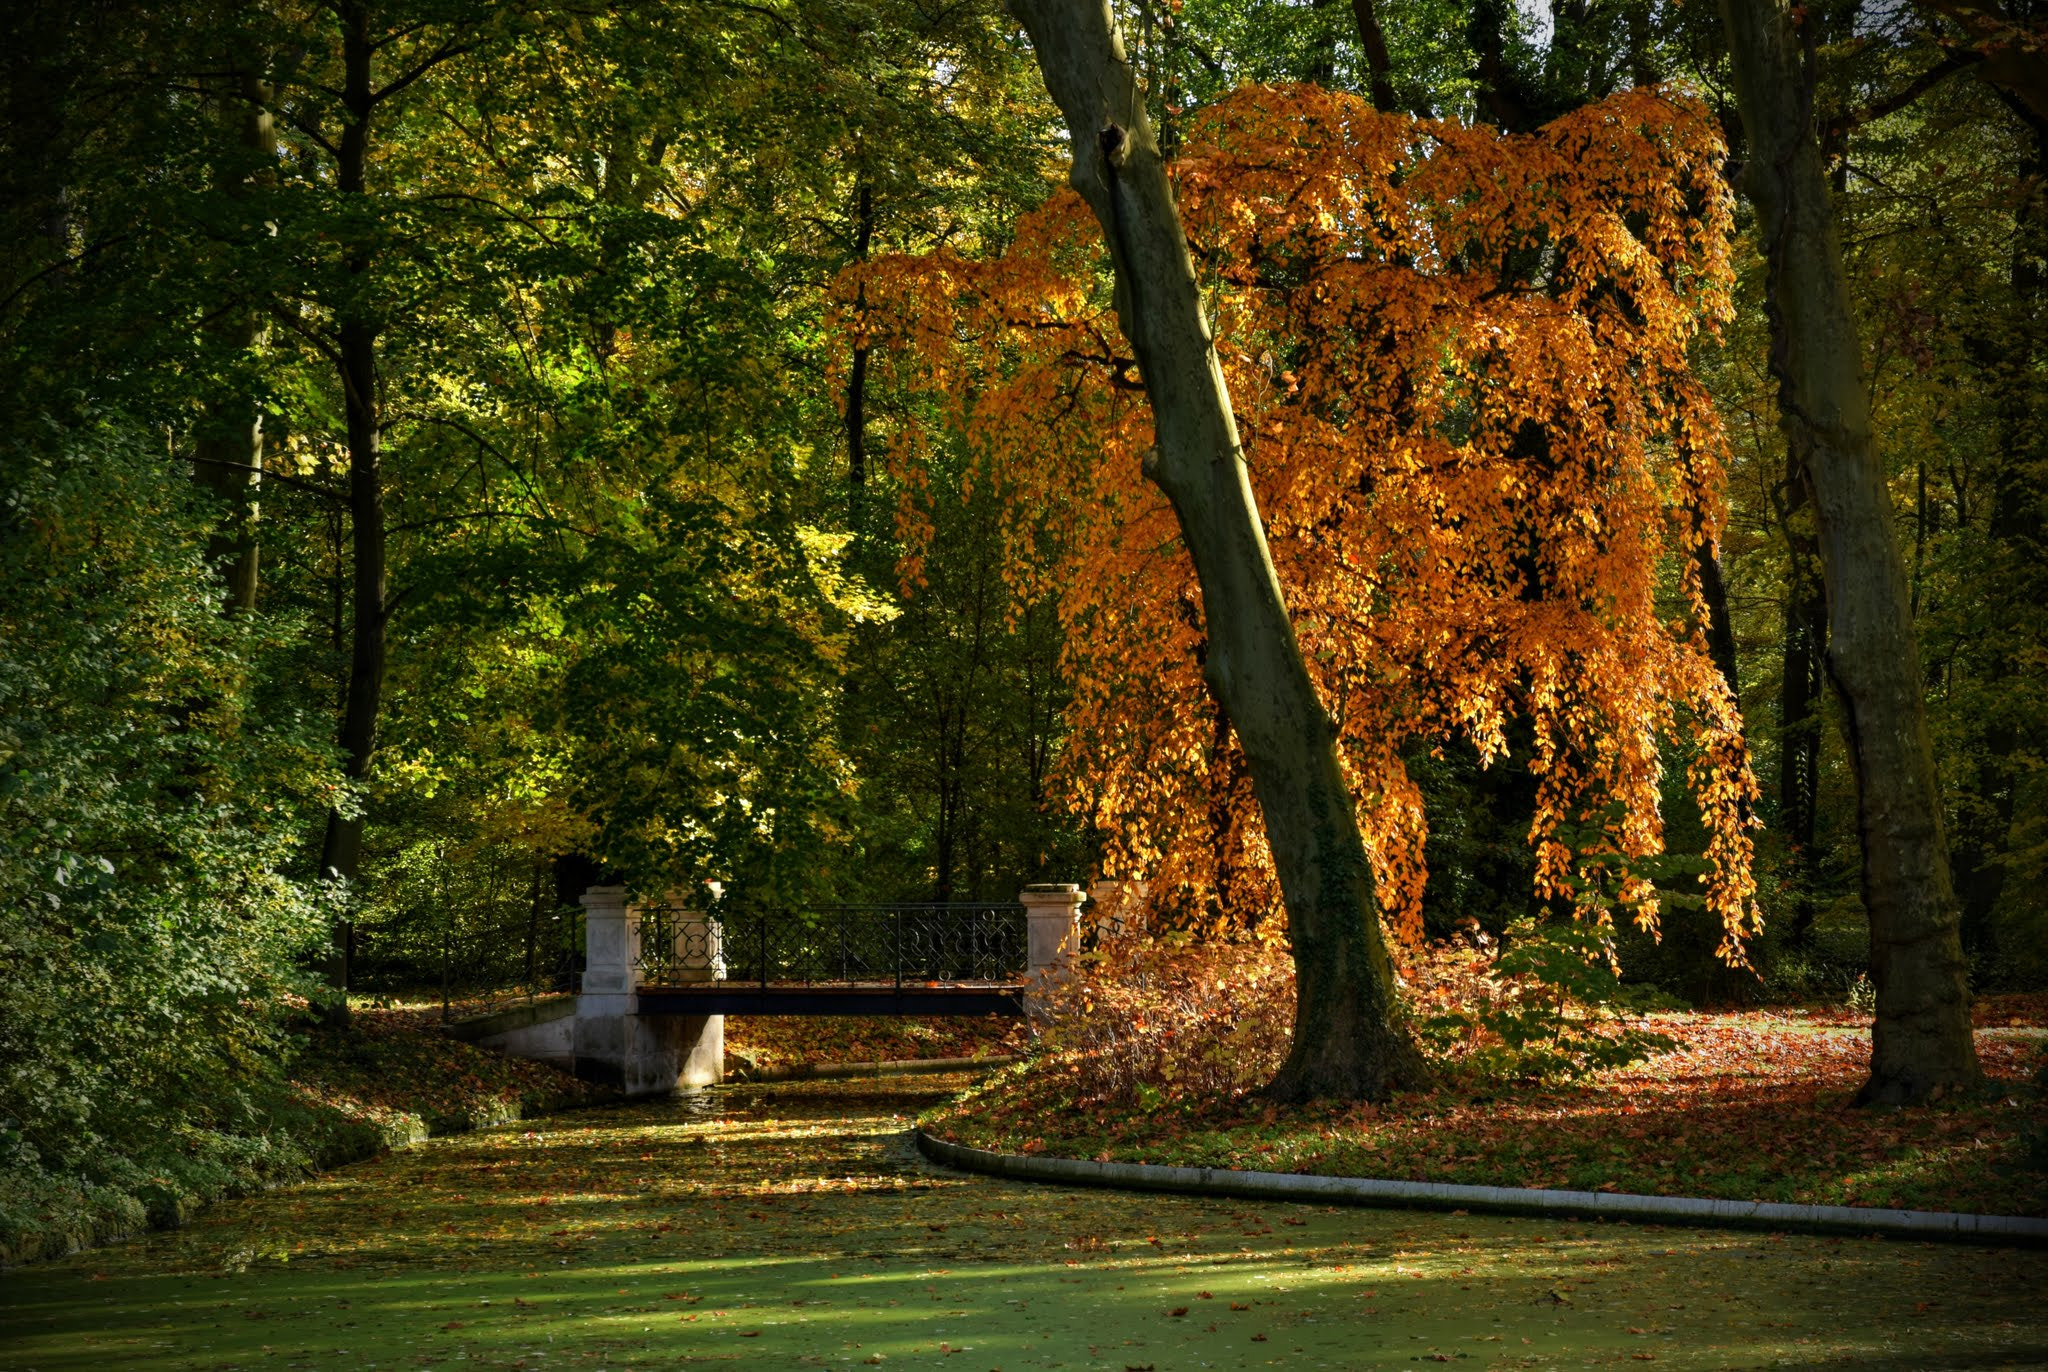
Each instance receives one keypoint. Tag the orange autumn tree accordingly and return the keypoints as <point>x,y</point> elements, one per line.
<point>1459,362</point>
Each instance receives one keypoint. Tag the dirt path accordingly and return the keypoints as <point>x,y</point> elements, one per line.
<point>792,1227</point>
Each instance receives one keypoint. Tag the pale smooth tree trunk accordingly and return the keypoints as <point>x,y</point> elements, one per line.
<point>1921,1046</point>
<point>1350,1037</point>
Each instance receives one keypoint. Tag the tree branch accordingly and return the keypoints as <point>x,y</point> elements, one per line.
<point>447,50</point>
<point>1900,98</point>
<point>63,264</point>
<point>1174,35</point>
<point>270,474</point>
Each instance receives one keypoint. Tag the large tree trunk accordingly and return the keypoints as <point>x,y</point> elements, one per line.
<point>1922,1043</point>
<point>1319,66</point>
<point>2005,810</point>
<point>230,440</point>
<point>44,60</point>
<point>630,177</point>
<point>857,378</point>
<point>1350,1039</point>
<point>341,852</point>
<point>1799,734</point>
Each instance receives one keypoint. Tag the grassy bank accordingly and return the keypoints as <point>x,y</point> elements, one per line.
<point>1748,1106</point>
<point>390,1079</point>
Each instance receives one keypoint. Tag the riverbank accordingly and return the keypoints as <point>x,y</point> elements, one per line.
<point>1750,1106</point>
<point>389,1080</point>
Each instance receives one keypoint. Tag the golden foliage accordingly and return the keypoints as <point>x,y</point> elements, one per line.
<point>1459,362</point>
<point>1143,1022</point>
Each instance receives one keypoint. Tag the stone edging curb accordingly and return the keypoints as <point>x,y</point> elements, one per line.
<point>1506,1200</point>
<point>903,1067</point>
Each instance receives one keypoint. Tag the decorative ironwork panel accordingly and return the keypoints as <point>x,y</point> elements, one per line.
<point>848,945</point>
<point>677,945</point>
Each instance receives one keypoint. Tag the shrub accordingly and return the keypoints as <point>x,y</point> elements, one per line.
<point>1151,1023</point>
<point>151,807</point>
<point>1146,1022</point>
<point>1550,1005</point>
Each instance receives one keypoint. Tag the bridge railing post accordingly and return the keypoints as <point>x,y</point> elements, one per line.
<point>700,948</point>
<point>689,945</point>
<point>608,942</point>
<point>1052,928</point>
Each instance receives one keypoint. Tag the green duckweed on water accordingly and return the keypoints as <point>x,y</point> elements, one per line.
<point>795,1227</point>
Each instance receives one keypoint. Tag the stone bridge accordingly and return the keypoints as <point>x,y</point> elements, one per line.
<point>659,980</point>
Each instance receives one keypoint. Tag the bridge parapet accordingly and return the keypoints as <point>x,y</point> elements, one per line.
<point>656,973</point>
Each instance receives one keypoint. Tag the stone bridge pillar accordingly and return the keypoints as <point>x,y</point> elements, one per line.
<point>1052,921</point>
<point>613,1043</point>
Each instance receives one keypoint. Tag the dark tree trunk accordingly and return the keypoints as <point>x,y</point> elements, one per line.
<point>1506,92</point>
<point>1642,67</point>
<point>629,180</point>
<point>857,419</point>
<point>341,852</point>
<point>1321,67</point>
<point>1720,626</point>
<point>1799,724</point>
<point>1350,1039</point>
<point>230,439</point>
<point>1921,1044</point>
<point>2016,548</point>
<point>945,839</point>
<point>857,377</point>
<point>1379,67</point>
<point>1223,778</point>
<point>45,56</point>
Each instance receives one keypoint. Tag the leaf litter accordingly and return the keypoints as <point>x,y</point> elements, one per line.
<point>1750,1105</point>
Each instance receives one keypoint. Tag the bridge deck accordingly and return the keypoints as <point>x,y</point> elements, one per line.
<point>800,998</point>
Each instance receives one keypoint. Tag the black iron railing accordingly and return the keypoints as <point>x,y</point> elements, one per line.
<point>851,945</point>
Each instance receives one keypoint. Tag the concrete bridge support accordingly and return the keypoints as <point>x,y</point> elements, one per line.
<point>613,1042</point>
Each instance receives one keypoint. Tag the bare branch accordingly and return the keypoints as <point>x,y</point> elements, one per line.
<point>270,474</point>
